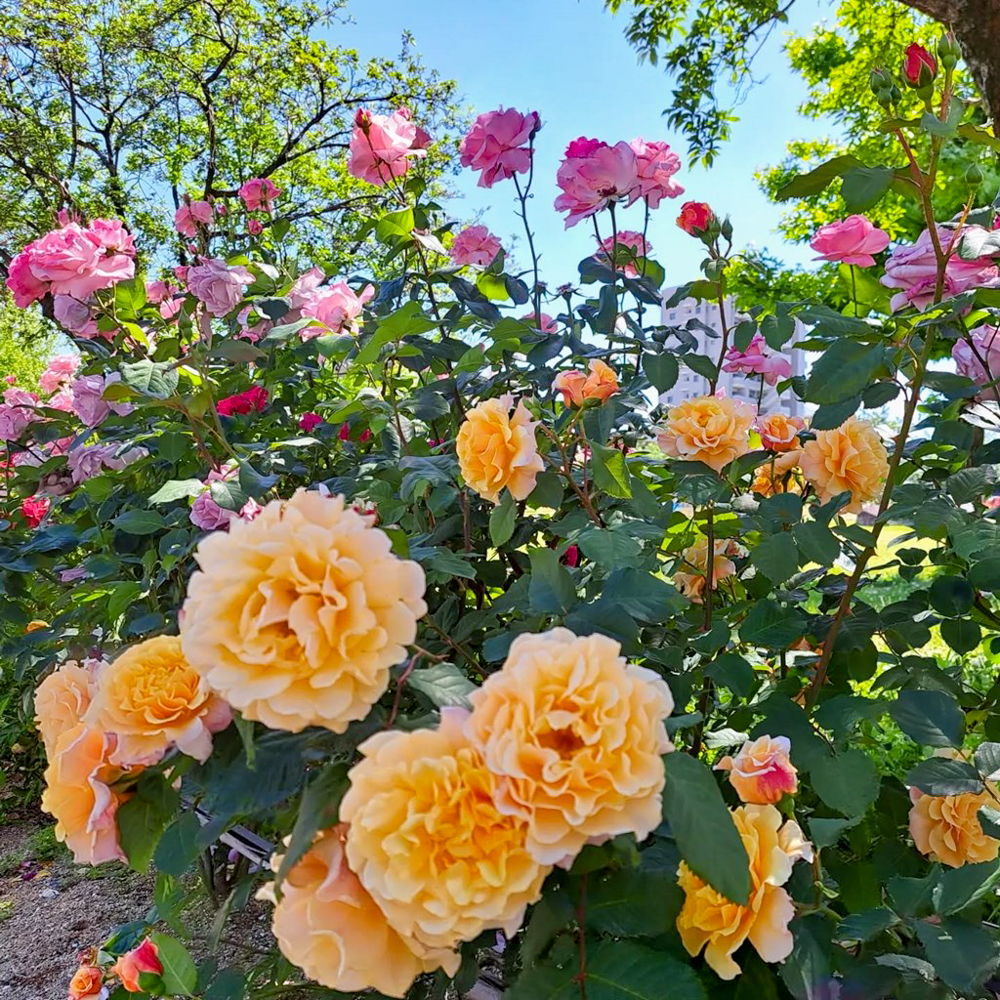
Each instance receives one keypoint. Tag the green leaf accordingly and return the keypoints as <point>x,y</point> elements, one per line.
<point>318,810</point>
<point>826,832</point>
<point>832,415</point>
<point>987,759</point>
<point>122,598</point>
<point>963,954</point>
<point>548,491</point>
<point>940,776</point>
<point>229,494</point>
<point>142,818</point>
<point>624,970</point>
<point>279,334</point>
<point>866,925</point>
<point>776,557</point>
<point>610,471</point>
<point>613,549</point>
<point>177,489</point>
<point>756,981</point>
<point>552,913</point>
<point>951,595</point>
<point>444,684</point>
<point>864,187</point>
<point>819,178</point>
<point>240,351</point>
<point>771,624</point>
<point>817,542</point>
<point>985,575</point>
<point>702,365</point>
<point>703,827</point>
<point>179,974</point>
<point>961,635</point>
<point>930,718</point>
<point>661,370</point>
<point>844,369</point>
<point>989,820</point>
<point>409,320</point>
<point>179,846</point>
<point>634,903</point>
<point>229,984</point>
<point>502,520</point>
<point>957,887</point>
<point>156,379</point>
<point>551,589</point>
<point>732,671</point>
<point>848,782</point>
<point>139,522</point>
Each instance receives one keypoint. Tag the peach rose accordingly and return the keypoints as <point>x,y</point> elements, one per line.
<point>296,617</point>
<point>428,842</point>
<point>773,476</point>
<point>709,920</point>
<point>152,699</point>
<point>496,450</point>
<point>62,699</point>
<point>78,794</point>
<point>778,432</point>
<point>327,925</point>
<point>710,429</point>
<point>144,958</point>
<point>692,584</point>
<point>575,736</point>
<point>762,771</point>
<point>947,828</point>
<point>571,384</point>
<point>851,457</point>
<point>577,387</point>
<point>86,983</point>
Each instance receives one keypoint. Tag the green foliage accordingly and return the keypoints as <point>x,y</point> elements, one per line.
<point>26,341</point>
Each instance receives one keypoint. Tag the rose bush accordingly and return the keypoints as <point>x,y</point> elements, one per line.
<point>504,654</point>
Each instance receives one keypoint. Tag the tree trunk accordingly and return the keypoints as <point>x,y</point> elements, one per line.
<point>976,25</point>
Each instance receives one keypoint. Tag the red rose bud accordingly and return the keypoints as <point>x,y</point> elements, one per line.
<point>695,217</point>
<point>571,556</point>
<point>919,67</point>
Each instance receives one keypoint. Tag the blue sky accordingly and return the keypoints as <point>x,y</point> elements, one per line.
<point>568,59</point>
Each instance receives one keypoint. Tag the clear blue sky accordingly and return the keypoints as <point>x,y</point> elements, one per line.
<point>568,59</point>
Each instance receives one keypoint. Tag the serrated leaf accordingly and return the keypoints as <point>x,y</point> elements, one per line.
<point>179,975</point>
<point>610,471</point>
<point>941,776</point>
<point>817,179</point>
<point>177,489</point>
<point>930,718</point>
<point>844,369</point>
<point>144,816</point>
<point>817,542</point>
<point>444,684</point>
<point>866,925</point>
<point>156,379</point>
<point>847,782</point>
<point>661,370</point>
<point>776,557</point>
<point>771,624</point>
<point>958,887</point>
<point>551,589</point>
<point>864,187</point>
<point>139,522</point>
<point>963,954</point>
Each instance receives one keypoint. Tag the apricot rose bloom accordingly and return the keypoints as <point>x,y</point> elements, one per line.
<point>296,616</point>
<point>947,828</point>
<point>144,958</point>
<point>577,387</point>
<point>692,584</point>
<point>327,925</point>
<point>575,736</point>
<point>430,843</point>
<point>62,699</point>
<point>710,429</point>
<point>497,450</point>
<point>86,983</point>
<point>78,794</point>
<point>762,772</point>
<point>708,920</point>
<point>778,432</point>
<point>152,699</point>
<point>773,477</point>
<point>849,458</point>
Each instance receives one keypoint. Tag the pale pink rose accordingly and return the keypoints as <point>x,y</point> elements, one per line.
<point>169,308</point>
<point>255,227</point>
<point>757,359</point>
<point>16,413</point>
<point>157,291</point>
<point>914,270</point>
<point>74,574</point>
<point>250,510</point>
<point>851,241</point>
<point>474,245</point>
<point>497,145</point>
<point>258,193</point>
<point>89,403</point>
<point>381,146</point>
<point>90,460</point>
<point>190,215</point>
<point>762,772</point>
<point>218,285</point>
<point>59,371</point>
<point>591,182</point>
<point>634,241</point>
<point>987,345</point>
<point>306,287</point>
<point>21,280</point>
<point>61,400</point>
<point>337,307</point>
<point>73,315</point>
<point>208,515</point>
<point>543,322</point>
<point>656,167</point>
<point>113,235</point>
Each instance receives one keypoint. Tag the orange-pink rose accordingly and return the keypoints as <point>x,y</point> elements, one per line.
<point>144,958</point>
<point>61,700</point>
<point>762,772</point>
<point>710,429</point>
<point>691,576</point>
<point>851,458</point>
<point>86,983</point>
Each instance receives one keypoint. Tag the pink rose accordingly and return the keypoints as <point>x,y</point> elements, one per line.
<point>987,346</point>
<point>89,403</point>
<point>255,227</point>
<point>208,515</point>
<point>90,460</point>
<point>497,145</point>
<point>544,322</point>
<point>305,288</point>
<point>762,772</point>
<point>157,291</point>
<point>60,370</point>
<point>113,235</point>
<point>381,146</point>
<point>217,285</point>
<point>258,193</point>
<point>250,510</point>
<point>73,574</point>
<point>757,359</point>
<point>634,241</point>
<point>21,280</point>
<point>34,509</point>
<point>583,146</point>
<point>308,422</point>
<point>337,307</point>
<point>914,270</point>
<point>74,316</point>
<point>850,241</point>
<point>592,182</point>
<point>61,400</point>
<point>190,215</point>
<point>474,245</point>
<point>657,166</point>
<point>16,413</point>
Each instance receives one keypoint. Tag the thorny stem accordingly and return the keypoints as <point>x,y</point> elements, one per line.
<point>400,684</point>
<point>581,936</point>
<point>522,197</point>
<point>720,298</point>
<point>566,470</point>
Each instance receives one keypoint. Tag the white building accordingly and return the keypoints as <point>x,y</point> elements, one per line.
<point>690,383</point>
